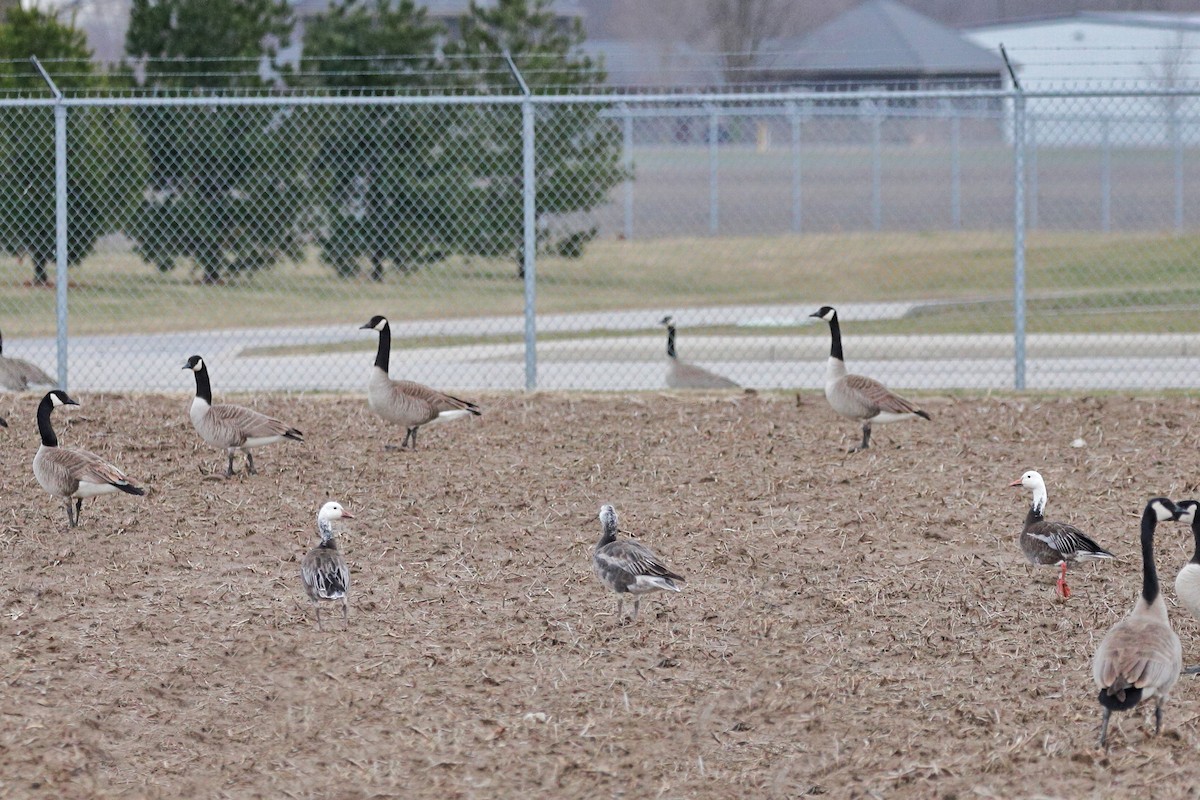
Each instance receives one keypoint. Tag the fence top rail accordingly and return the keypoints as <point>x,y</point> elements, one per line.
<point>712,99</point>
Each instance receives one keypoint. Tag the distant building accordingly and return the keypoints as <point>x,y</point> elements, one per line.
<point>1105,50</point>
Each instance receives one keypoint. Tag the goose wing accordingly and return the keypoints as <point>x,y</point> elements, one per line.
<point>684,375</point>
<point>634,559</point>
<point>325,574</point>
<point>30,372</point>
<point>87,467</point>
<point>879,396</point>
<point>432,400</point>
<point>1137,652</point>
<point>246,423</point>
<point>1070,542</point>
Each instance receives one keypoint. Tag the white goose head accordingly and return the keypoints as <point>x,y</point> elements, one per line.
<point>1032,480</point>
<point>333,510</point>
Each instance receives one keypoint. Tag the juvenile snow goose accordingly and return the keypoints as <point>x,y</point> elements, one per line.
<point>628,567</point>
<point>856,396</point>
<point>1057,543</point>
<point>16,373</point>
<point>323,570</point>
<point>69,473</point>
<point>1141,656</point>
<point>231,427</point>
<point>682,375</point>
<point>405,402</point>
<point>1187,582</point>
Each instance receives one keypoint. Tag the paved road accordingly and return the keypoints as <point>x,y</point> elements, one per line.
<point>139,362</point>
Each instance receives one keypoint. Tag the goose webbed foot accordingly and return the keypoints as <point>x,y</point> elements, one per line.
<point>866,440</point>
<point>1191,671</point>
<point>1064,591</point>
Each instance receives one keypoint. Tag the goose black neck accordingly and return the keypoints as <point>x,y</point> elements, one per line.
<point>203,389</point>
<point>671,341</point>
<point>43,418</point>
<point>835,333</point>
<point>1149,573</point>
<point>385,348</point>
<point>1196,537</point>
<point>609,536</point>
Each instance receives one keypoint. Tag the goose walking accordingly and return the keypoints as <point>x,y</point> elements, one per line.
<point>628,567</point>
<point>682,375</point>
<point>323,570</point>
<point>1053,543</point>
<point>1187,582</point>
<point>232,428</point>
<point>856,396</point>
<point>405,402</point>
<point>70,473</point>
<point>1140,657</point>
<point>16,374</point>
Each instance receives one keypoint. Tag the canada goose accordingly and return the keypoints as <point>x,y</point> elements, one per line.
<point>16,373</point>
<point>1055,543</point>
<point>70,473</point>
<point>856,396</point>
<point>628,567</point>
<point>231,427</point>
<point>682,375</point>
<point>405,402</point>
<point>1187,582</point>
<point>323,570</point>
<point>1140,657</point>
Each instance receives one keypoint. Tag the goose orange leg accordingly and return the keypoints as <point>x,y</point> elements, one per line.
<point>1063,590</point>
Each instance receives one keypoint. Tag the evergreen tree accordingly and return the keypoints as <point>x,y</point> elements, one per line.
<point>225,182</point>
<point>376,165</point>
<point>96,195</point>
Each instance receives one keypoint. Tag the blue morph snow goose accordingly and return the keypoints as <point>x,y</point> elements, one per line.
<point>323,570</point>
<point>1140,657</point>
<point>628,567</point>
<point>857,396</point>
<point>1053,543</point>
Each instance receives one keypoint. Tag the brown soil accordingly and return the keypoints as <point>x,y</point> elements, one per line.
<point>853,626</point>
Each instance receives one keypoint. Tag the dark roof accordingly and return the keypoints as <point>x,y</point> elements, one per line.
<point>883,36</point>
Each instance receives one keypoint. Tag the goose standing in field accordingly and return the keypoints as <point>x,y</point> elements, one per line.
<point>405,402</point>
<point>1187,582</point>
<point>856,396</point>
<point>70,473</point>
<point>1055,543</point>
<point>323,570</point>
<point>682,375</point>
<point>628,567</point>
<point>231,427</point>
<point>1140,657</point>
<point>16,373</point>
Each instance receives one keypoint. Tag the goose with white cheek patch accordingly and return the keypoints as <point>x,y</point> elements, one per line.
<point>1187,582</point>
<point>232,428</point>
<point>628,567</point>
<point>323,571</point>
<point>1140,657</point>
<point>1053,543</point>
<point>17,374</point>
<point>857,396</point>
<point>683,375</point>
<point>405,402</point>
<point>70,473</point>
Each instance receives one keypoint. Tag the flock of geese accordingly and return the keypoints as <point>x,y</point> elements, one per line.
<point>1139,659</point>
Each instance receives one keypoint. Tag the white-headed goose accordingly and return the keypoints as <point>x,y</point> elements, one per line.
<point>1140,657</point>
<point>323,570</point>
<point>17,374</point>
<point>405,402</point>
<point>1187,582</point>
<point>682,375</point>
<point>1053,543</point>
<point>628,567</point>
<point>856,396</point>
<point>231,427</point>
<point>69,473</point>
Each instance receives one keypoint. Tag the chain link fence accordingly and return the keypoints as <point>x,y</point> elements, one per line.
<point>971,239</point>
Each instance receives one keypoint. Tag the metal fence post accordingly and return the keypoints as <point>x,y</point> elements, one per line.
<point>1106,176</point>
<point>61,274</point>
<point>1032,157</point>
<point>627,146</point>
<point>797,215</point>
<point>955,168</point>
<point>714,199</point>
<point>529,247</point>
<point>876,167</point>
<point>1019,239</point>
<point>1177,147</point>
